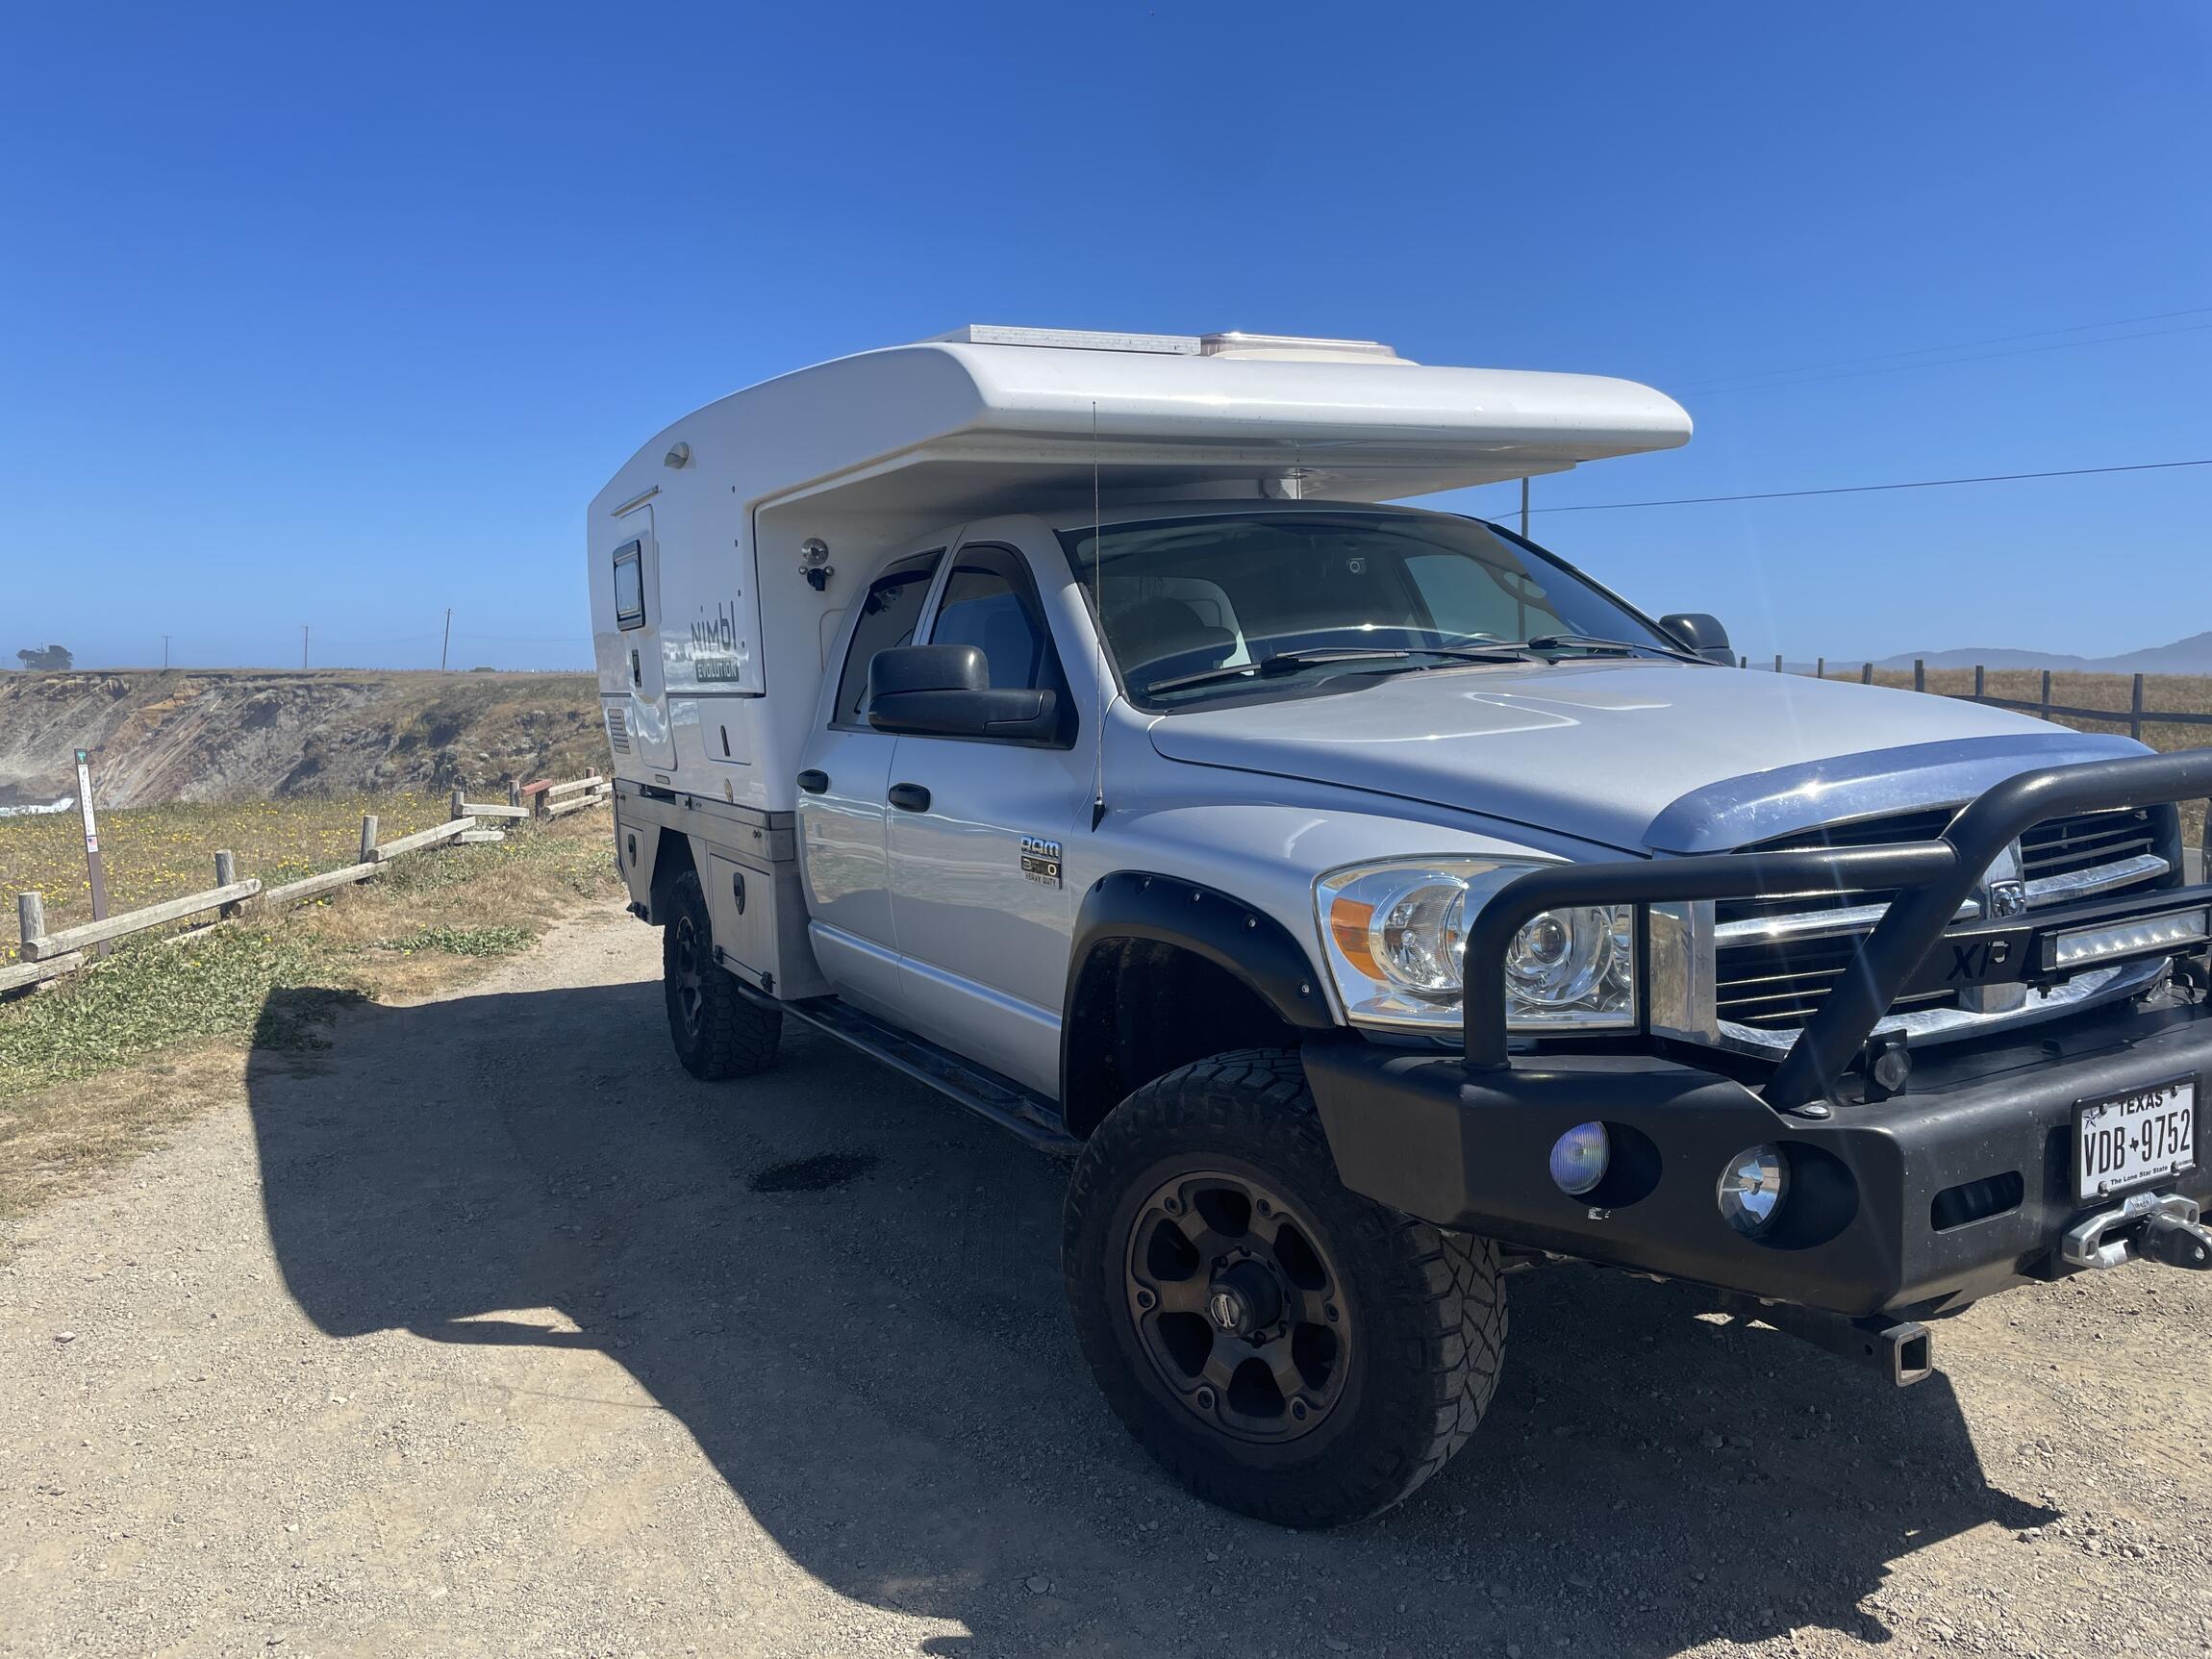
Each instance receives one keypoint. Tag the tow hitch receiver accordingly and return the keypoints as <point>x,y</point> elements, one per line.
<point>1901,1350</point>
<point>2157,1226</point>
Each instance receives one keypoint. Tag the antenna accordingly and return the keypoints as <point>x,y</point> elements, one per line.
<point>1107,690</point>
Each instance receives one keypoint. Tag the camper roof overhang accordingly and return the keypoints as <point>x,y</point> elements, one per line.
<point>981,423</point>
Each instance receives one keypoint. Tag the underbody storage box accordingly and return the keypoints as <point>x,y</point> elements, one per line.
<point>748,863</point>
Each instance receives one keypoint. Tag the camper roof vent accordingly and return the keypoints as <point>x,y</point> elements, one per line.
<point>1074,338</point>
<point>1298,348</point>
<point>1265,347</point>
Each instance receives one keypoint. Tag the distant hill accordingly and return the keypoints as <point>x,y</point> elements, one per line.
<point>210,735</point>
<point>2190,655</point>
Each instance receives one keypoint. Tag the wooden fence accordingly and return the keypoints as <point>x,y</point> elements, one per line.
<point>48,956</point>
<point>2135,717</point>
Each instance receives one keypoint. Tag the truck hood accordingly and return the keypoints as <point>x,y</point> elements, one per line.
<point>1635,754</point>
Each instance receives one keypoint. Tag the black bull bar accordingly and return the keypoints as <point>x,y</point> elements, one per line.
<point>1932,879</point>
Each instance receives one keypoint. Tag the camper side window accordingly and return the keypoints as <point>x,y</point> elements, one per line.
<point>629,585</point>
<point>888,615</point>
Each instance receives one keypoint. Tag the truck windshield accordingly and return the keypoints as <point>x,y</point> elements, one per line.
<point>1297,599</point>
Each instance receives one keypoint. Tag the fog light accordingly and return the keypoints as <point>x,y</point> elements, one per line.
<point>1578,1158</point>
<point>1752,1187</point>
<point>2083,944</point>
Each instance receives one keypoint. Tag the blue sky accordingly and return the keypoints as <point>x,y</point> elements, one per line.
<point>340,316</point>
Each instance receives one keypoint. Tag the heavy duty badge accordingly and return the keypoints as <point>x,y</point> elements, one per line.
<point>1041,861</point>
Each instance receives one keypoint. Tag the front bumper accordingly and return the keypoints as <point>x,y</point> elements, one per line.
<point>1906,1207</point>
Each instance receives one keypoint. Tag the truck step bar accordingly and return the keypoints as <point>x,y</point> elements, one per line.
<point>986,1093</point>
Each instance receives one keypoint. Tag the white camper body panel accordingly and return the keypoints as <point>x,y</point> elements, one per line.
<point>712,692</point>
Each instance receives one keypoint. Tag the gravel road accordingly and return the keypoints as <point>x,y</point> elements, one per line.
<point>486,1331</point>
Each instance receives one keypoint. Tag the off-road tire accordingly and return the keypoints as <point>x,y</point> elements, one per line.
<point>1428,1307</point>
<point>717,1030</point>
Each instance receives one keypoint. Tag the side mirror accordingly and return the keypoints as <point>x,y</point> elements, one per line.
<point>945,691</point>
<point>1702,634</point>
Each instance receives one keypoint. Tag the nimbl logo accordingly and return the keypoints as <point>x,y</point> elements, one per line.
<point>717,633</point>
<point>717,651</point>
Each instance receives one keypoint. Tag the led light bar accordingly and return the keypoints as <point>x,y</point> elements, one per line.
<point>2082,946</point>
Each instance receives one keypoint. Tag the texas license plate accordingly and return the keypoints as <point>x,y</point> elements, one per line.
<point>2124,1140</point>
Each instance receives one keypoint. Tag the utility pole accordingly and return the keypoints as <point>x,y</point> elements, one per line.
<point>303,646</point>
<point>1524,509</point>
<point>448,642</point>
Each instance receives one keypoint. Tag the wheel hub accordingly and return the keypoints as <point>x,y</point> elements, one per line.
<point>1244,1300</point>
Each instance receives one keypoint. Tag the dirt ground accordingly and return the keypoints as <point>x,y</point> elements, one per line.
<point>486,1331</point>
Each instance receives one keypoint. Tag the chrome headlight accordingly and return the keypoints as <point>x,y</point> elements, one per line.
<point>1395,934</point>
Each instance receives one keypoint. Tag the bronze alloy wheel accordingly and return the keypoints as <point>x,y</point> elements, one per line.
<point>1237,1306</point>
<point>1281,1344</point>
<point>687,974</point>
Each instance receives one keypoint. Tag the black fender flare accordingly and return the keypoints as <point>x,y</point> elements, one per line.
<point>1245,943</point>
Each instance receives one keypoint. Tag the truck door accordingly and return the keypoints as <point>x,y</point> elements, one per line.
<point>843,804</point>
<point>977,829</point>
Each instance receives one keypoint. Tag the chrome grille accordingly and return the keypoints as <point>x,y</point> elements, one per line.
<point>1774,982</point>
<point>2064,845</point>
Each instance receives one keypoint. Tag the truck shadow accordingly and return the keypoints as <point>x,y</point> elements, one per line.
<point>848,1293</point>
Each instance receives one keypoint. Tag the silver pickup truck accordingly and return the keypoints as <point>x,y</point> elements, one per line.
<point>1367,901</point>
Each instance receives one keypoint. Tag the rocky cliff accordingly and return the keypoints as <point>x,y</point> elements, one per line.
<point>221,735</point>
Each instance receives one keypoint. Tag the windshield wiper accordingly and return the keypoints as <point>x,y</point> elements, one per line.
<point>1290,662</point>
<point>1592,642</point>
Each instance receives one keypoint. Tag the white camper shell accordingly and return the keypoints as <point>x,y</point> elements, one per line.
<point>724,555</point>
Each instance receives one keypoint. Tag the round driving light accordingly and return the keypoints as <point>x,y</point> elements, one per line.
<point>1751,1188</point>
<point>1579,1157</point>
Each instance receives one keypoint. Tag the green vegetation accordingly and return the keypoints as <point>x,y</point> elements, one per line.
<point>461,941</point>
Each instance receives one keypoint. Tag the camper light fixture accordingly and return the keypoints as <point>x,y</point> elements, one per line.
<point>679,456</point>
<point>813,562</point>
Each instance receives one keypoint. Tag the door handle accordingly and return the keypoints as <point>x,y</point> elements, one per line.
<point>909,797</point>
<point>814,781</point>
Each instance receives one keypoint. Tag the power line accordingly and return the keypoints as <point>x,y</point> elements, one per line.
<point>525,640</point>
<point>1957,345</point>
<point>1719,390</point>
<point>1869,488</point>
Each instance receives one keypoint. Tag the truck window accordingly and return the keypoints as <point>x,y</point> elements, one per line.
<point>991,603</point>
<point>1482,597</point>
<point>629,585</point>
<point>1184,596</point>
<point>888,615</point>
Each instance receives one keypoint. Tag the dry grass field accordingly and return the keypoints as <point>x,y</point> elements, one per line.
<point>153,853</point>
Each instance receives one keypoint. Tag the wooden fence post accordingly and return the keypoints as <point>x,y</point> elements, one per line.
<point>1920,674</point>
<point>2047,693</point>
<point>1980,683</point>
<point>226,872</point>
<point>514,791</point>
<point>2135,712</point>
<point>457,804</point>
<point>1778,662</point>
<point>1820,668</point>
<point>30,916</point>
<point>368,837</point>
<point>1743,661</point>
<point>1866,672</point>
